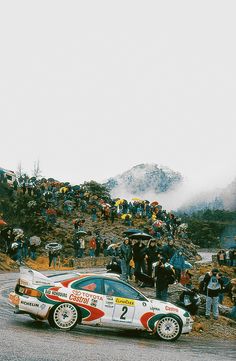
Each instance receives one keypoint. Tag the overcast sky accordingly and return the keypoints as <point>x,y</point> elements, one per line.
<point>92,88</point>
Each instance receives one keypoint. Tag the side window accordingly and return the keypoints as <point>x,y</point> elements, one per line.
<point>91,284</point>
<point>118,289</point>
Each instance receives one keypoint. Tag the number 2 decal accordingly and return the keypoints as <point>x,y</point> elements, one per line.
<point>124,310</point>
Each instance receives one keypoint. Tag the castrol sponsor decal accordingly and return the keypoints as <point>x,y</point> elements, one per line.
<point>171,309</point>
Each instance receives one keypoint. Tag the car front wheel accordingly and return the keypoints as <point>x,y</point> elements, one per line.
<point>64,316</point>
<point>168,328</point>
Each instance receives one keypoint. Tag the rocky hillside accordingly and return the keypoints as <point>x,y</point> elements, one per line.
<point>144,178</point>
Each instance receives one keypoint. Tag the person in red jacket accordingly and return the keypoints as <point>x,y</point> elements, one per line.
<point>92,247</point>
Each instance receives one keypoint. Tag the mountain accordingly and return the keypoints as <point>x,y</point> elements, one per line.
<point>143,179</point>
<point>222,199</point>
<point>228,196</point>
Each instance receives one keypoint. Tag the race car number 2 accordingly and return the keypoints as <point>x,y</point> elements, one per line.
<point>123,313</point>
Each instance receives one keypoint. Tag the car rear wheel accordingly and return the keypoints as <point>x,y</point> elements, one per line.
<point>64,316</point>
<point>168,328</point>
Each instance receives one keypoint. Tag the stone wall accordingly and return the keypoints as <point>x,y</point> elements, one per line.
<point>88,262</point>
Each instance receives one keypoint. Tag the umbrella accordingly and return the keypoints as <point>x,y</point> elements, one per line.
<point>76,187</point>
<point>53,246</point>
<point>130,231</point>
<point>126,215</point>
<point>157,223</point>
<point>106,205</point>
<point>155,203</point>
<point>187,265</point>
<point>137,199</point>
<point>2,222</point>
<point>140,235</point>
<point>81,233</point>
<point>113,245</point>
<point>18,231</point>
<point>35,240</point>
<point>63,190</point>
<point>51,180</point>
<point>69,202</point>
<point>14,245</point>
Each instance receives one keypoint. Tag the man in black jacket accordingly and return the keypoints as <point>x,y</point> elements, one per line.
<point>151,254</point>
<point>164,275</point>
<point>139,253</point>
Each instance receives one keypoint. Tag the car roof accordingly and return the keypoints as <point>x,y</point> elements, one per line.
<point>79,276</point>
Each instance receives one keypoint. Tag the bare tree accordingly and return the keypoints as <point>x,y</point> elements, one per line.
<point>37,172</point>
<point>19,171</point>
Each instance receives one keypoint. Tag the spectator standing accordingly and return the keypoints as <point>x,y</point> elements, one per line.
<point>139,253</point>
<point>76,243</point>
<point>168,250</point>
<point>227,258</point>
<point>82,247</point>
<point>178,262</point>
<point>98,245</point>
<point>164,275</point>
<point>151,255</point>
<point>54,256</point>
<point>212,286</point>
<point>125,255</point>
<point>33,252</point>
<point>92,247</point>
<point>94,214</point>
<point>221,257</point>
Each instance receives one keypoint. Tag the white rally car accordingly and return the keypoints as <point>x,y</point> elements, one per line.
<point>66,300</point>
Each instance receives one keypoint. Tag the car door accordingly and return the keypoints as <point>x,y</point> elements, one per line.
<point>87,294</point>
<point>123,305</point>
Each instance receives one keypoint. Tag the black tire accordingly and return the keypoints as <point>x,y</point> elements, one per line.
<point>64,316</point>
<point>169,328</point>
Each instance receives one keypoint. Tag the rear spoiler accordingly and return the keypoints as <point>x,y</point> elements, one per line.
<point>29,276</point>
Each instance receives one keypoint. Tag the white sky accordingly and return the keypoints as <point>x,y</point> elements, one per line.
<point>92,88</point>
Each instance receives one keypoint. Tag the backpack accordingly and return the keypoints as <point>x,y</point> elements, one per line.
<point>213,284</point>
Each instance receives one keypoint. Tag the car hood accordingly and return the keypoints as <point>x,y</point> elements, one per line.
<point>166,307</point>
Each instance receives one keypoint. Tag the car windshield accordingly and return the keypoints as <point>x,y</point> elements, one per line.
<point>120,289</point>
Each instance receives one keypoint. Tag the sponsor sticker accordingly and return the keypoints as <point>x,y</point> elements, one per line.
<point>87,294</point>
<point>124,301</point>
<point>171,309</point>
<point>94,303</point>
<point>79,299</point>
<point>55,293</point>
<point>31,304</point>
